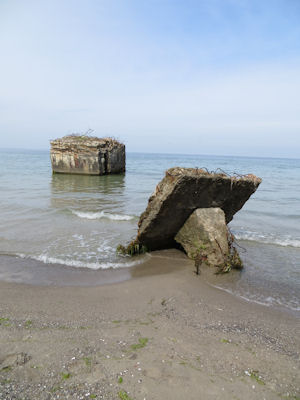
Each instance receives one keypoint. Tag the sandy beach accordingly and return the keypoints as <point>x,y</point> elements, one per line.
<point>140,141</point>
<point>164,335</point>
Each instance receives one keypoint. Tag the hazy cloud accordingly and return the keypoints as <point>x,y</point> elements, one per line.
<point>168,76</point>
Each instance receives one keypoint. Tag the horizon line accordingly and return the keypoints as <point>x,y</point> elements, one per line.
<point>174,154</point>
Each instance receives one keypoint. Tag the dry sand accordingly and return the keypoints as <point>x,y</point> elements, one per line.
<point>165,335</point>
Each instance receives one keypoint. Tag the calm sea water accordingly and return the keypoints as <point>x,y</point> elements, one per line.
<point>78,221</point>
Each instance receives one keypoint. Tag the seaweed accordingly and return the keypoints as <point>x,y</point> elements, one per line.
<point>134,248</point>
<point>233,260</point>
<point>199,260</point>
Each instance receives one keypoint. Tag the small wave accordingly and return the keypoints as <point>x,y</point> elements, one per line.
<point>267,301</point>
<point>267,238</point>
<point>102,214</point>
<point>276,214</point>
<point>81,264</point>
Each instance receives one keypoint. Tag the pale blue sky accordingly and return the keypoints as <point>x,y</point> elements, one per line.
<point>206,77</point>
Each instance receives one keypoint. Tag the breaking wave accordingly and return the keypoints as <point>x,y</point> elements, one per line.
<point>102,214</point>
<point>285,240</point>
<point>82,264</point>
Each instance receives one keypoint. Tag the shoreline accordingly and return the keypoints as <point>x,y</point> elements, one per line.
<point>160,333</point>
<point>28,271</point>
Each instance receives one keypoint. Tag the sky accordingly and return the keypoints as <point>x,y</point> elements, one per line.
<point>163,76</point>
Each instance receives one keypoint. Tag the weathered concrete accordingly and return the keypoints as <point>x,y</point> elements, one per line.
<point>182,191</point>
<point>205,232</point>
<point>87,155</point>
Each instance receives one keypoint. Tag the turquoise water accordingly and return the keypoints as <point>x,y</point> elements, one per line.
<point>78,221</point>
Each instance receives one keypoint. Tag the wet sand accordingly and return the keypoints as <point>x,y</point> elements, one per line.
<point>25,270</point>
<point>155,331</point>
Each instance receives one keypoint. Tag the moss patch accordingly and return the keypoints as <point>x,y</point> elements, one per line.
<point>28,323</point>
<point>142,343</point>
<point>65,376</point>
<point>123,395</point>
<point>225,341</point>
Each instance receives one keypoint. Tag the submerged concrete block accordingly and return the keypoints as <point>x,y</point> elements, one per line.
<point>87,155</point>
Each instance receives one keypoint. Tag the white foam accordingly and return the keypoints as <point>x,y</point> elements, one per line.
<point>268,238</point>
<point>267,301</point>
<point>102,214</point>
<point>82,264</point>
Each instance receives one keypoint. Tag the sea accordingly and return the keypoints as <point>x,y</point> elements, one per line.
<point>76,222</point>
